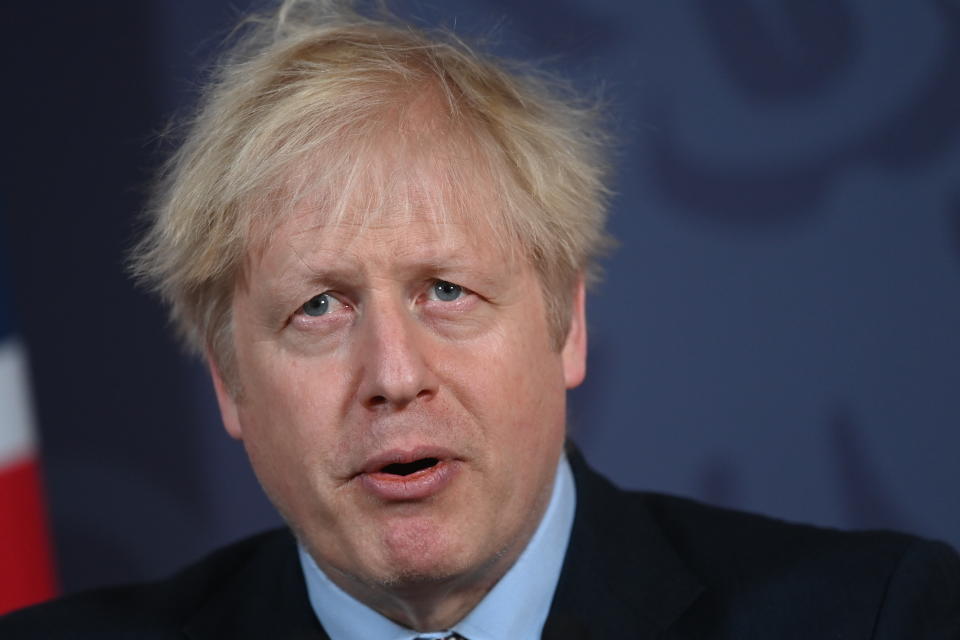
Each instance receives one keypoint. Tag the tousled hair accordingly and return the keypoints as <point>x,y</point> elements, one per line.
<point>296,113</point>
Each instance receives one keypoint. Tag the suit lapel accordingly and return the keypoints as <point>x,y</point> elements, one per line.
<point>265,598</point>
<point>621,578</point>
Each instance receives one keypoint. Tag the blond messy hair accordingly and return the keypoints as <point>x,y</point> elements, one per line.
<point>294,113</point>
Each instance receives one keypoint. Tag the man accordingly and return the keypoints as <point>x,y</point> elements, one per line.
<point>379,241</point>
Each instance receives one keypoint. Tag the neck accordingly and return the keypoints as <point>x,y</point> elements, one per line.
<point>430,605</point>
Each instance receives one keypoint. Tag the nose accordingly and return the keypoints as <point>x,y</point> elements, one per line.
<point>395,370</point>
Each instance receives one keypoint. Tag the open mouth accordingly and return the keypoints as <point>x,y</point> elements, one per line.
<point>408,468</point>
<point>404,476</point>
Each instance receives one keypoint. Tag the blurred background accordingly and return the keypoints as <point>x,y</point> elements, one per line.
<point>777,331</point>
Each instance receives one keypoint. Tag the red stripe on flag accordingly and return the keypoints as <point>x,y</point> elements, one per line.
<point>26,563</point>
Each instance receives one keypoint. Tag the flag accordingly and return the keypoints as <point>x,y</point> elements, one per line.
<point>26,562</point>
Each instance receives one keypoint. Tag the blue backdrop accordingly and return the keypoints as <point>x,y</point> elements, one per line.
<point>777,332</point>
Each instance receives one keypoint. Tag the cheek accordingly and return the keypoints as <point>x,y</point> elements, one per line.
<point>513,381</point>
<point>535,392</point>
<point>289,408</point>
<point>290,439</point>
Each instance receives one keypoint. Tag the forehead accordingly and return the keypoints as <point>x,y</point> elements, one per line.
<point>394,220</point>
<point>391,240</point>
<point>422,188</point>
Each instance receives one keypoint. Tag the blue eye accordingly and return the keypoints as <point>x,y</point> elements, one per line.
<point>317,305</point>
<point>447,291</point>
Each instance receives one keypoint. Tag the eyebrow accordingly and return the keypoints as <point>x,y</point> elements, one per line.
<point>303,275</point>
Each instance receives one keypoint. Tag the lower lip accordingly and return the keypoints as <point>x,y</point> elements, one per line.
<point>416,486</point>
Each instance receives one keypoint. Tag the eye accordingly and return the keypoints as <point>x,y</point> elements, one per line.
<point>317,305</point>
<point>446,291</point>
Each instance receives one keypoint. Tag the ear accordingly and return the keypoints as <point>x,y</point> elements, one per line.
<point>574,352</point>
<point>228,404</point>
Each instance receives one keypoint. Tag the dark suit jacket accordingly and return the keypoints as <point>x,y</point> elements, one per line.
<point>639,566</point>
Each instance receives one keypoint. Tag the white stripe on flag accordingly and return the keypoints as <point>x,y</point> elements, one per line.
<point>16,420</point>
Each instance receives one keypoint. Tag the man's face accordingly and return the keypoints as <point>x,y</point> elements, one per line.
<point>402,399</point>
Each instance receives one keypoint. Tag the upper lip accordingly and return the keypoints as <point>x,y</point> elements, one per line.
<point>403,456</point>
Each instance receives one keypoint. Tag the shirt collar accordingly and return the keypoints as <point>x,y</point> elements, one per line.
<point>516,607</point>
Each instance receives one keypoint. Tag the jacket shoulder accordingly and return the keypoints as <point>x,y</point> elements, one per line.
<point>772,575</point>
<point>145,610</point>
<point>724,541</point>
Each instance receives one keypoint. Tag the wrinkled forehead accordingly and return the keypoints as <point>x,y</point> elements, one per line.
<point>416,175</point>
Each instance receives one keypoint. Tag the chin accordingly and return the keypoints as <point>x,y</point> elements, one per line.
<point>414,557</point>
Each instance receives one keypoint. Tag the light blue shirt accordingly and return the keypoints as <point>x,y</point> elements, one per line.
<point>515,608</point>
